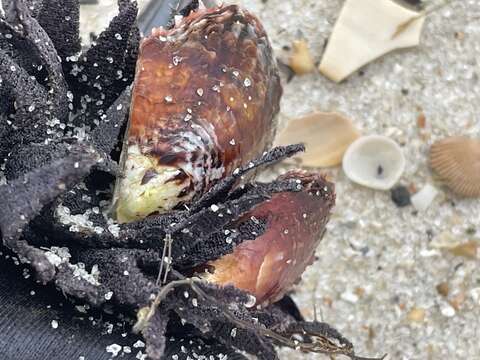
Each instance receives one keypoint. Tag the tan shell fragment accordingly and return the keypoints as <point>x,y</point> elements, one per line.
<point>301,60</point>
<point>366,30</point>
<point>457,161</point>
<point>326,136</point>
<point>466,250</point>
<point>374,161</point>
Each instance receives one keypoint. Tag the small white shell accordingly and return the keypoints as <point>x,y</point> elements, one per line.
<point>422,199</point>
<point>374,161</point>
<point>366,30</point>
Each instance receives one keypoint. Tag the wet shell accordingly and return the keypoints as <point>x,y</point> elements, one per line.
<point>326,136</point>
<point>457,161</point>
<point>204,100</point>
<point>269,265</point>
<point>374,161</point>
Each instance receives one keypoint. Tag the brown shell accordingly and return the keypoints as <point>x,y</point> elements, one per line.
<point>269,265</point>
<point>206,94</point>
<point>457,161</point>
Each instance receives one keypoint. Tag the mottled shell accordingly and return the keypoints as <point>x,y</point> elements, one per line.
<point>269,265</point>
<point>204,99</point>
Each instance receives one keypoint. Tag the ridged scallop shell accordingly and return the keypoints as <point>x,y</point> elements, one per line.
<point>374,161</point>
<point>326,136</point>
<point>457,161</point>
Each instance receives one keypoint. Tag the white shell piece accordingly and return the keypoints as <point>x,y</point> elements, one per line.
<point>423,198</point>
<point>374,161</point>
<point>366,30</point>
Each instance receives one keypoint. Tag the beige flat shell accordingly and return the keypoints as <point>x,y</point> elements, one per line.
<point>457,161</point>
<point>326,136</point>
<point>366,30</point>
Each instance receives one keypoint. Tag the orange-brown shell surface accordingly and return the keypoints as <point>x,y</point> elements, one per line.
<point>205,94</point>
<point>269,265</point>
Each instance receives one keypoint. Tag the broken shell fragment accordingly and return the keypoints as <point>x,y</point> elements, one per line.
<point>326,136</point>
<point>357,40</point>
<point>196,114</point>
<point>301,60</point>
<point>416,315</point>
<point>374,161</point>
<point>423,198</point>
<point>457,161</point>
<point>270,264</point>
<point>467,250</point>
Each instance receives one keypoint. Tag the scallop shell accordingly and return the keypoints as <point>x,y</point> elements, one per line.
<point>457,161</point>
<point>374,161</point>
<point>357,40</point>
<point>326,136</point>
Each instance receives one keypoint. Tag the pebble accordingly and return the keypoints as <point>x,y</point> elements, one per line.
<point>447,311</point>
<point>416,315</point>
<point>349,297</point>
<point>139,344</point>
<point>114,349</point>
<point>475,294</point>
<point>466,250</point>
<point>457,301</point>
<point>443,289</point>
<point>400,196</point>
<point>422,199</point>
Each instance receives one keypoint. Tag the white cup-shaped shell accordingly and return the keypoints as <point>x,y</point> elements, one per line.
<point>374,161</point>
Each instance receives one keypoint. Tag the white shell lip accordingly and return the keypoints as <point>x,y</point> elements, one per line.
<point>374,161</point>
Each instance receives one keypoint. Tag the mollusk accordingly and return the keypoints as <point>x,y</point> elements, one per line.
<point>457,161</point>
<point>204,100</point>
<point>268,265</point>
